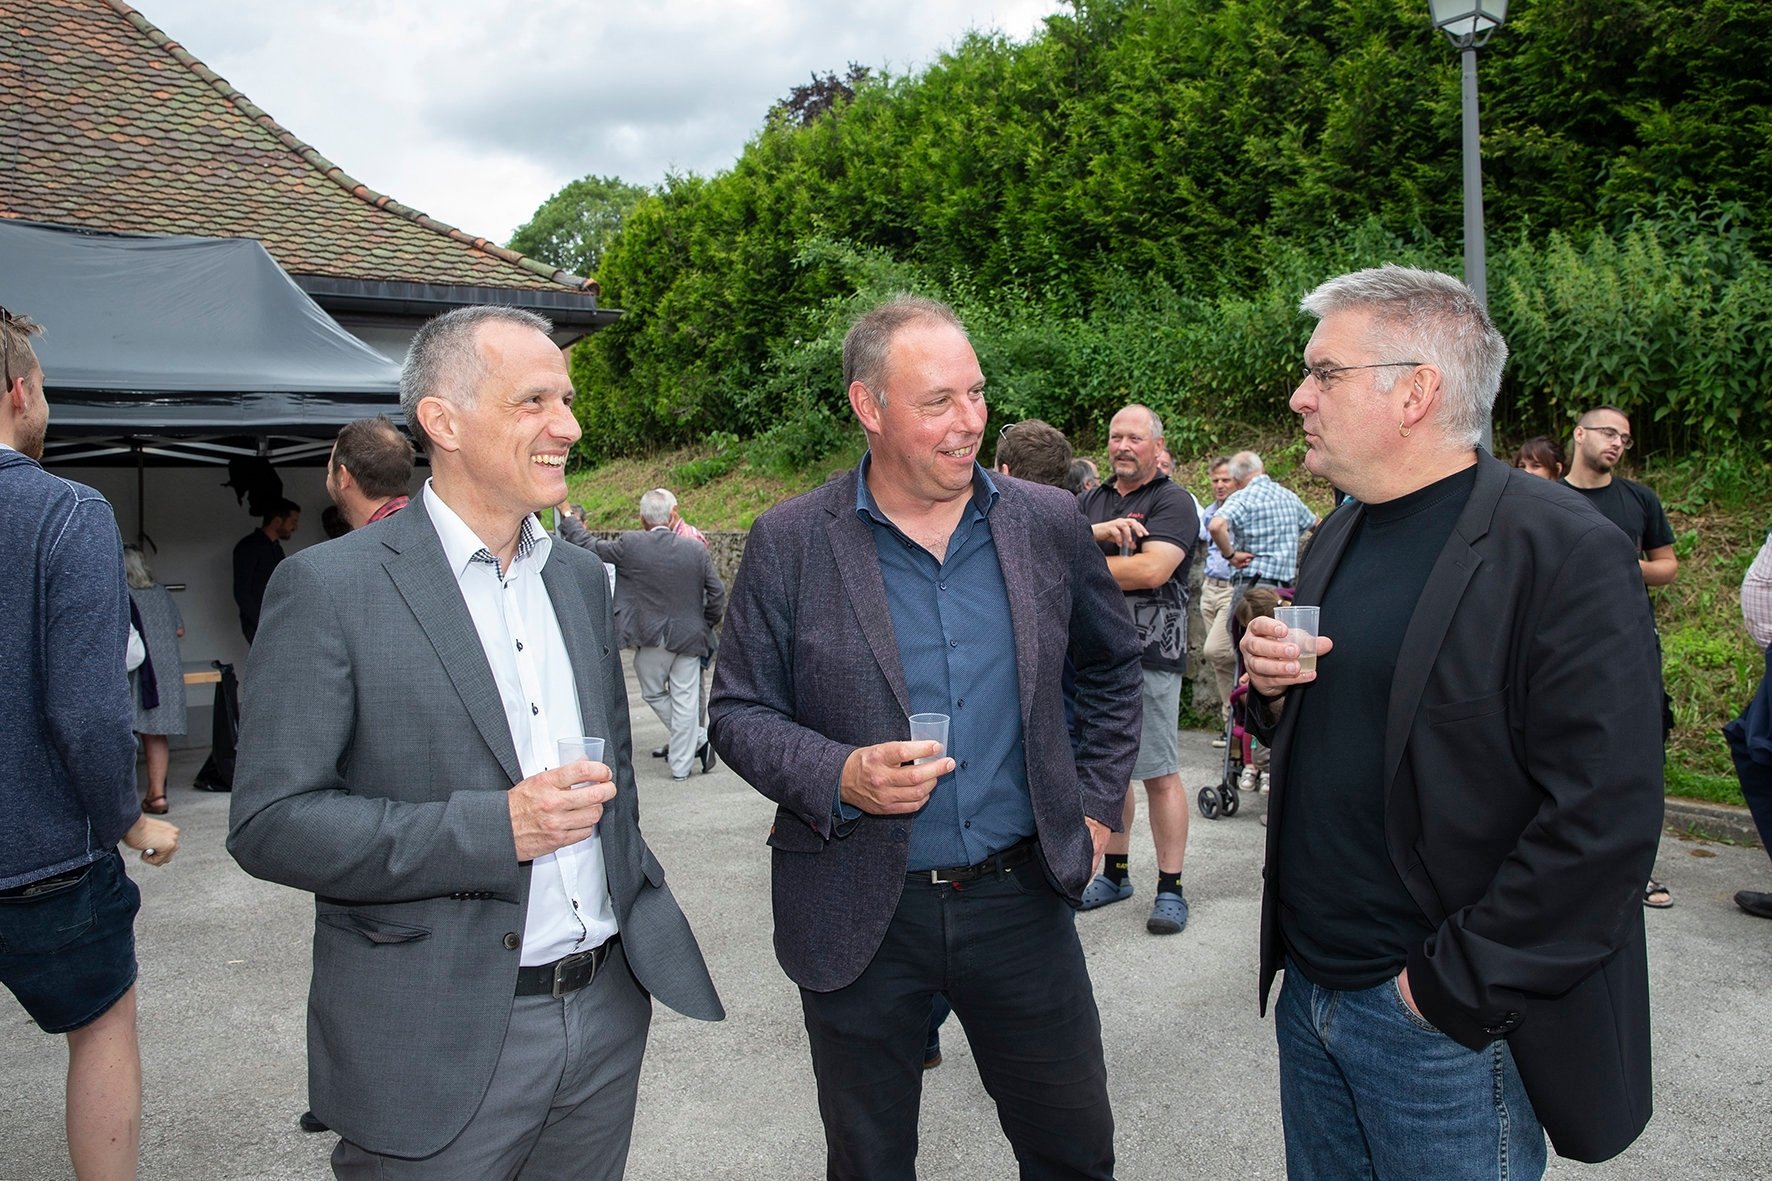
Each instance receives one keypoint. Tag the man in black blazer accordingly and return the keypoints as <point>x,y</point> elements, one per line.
<point>920,583</point>
<point>1467,788</point>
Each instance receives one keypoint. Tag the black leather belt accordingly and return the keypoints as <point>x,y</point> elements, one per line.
<point>566,974</point>
<point>47,885</point>
<point>1009,858</point>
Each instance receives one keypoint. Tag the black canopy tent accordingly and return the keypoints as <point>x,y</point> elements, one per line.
<point>189,350</point>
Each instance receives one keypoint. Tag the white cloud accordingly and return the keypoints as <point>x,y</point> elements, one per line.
<point>477,112</point>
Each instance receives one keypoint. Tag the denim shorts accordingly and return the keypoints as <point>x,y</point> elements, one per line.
<point>68,952</point>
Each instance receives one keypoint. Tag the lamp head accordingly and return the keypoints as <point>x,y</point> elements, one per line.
<point>1468,23</point>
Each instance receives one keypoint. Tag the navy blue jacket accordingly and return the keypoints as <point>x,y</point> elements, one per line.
<point>67,780</point>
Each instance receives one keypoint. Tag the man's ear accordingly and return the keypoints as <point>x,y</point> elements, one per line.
<point>441,421</point>
<point>1423,395</point>
<point>867,409</point>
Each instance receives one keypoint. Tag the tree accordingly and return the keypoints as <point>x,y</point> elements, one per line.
<point>572,228</point>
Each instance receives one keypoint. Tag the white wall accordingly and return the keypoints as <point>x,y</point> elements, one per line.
<point>195,521</point>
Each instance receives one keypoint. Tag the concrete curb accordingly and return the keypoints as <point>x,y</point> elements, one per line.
<point>1728,821</point>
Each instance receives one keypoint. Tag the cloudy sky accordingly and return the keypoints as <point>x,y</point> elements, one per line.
<point>475,111</point>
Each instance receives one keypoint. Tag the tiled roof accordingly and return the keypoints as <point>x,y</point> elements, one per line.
<point>106,122</point>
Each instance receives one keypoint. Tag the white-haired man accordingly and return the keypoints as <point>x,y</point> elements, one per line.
<point>668,600</point>
<point>1467,786</point>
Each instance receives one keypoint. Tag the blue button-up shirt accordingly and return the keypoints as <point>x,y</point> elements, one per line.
<point>1217,565</point>
<point>955,642</point>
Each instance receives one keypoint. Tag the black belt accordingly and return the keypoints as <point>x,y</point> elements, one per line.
<point>1009,858</point>
<point>47,885</point>
<point>1259,579</point>
<point>566,974</point>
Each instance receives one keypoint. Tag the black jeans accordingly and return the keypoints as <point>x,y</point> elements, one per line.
<point>1005,951</point>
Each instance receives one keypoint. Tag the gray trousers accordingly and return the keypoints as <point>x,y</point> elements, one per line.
<point>561,1100</point>
<point>671,684</point>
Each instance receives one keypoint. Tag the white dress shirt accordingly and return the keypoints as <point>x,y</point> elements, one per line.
<point>569,908</point>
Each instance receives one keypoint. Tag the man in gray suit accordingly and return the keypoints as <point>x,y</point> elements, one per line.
<point>668,600</point>
<point>921,583</point>
<point>488,922</point>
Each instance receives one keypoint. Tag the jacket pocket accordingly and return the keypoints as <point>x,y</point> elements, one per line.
<point>376,930</point>
<point>1474,707</point>
<point>651,866</point>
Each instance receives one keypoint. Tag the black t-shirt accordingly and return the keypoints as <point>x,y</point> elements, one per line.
<point>1167,511</point>
<point>1634,508</point>
<point>1345,916</point>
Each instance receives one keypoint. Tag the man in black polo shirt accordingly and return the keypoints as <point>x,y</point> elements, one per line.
<point>1467,784</point>
<point>1147,527</point>
<point>1601,439</point>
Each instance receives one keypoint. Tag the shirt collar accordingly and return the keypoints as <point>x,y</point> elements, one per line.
<point>984,492</point>
<point>462,546</point>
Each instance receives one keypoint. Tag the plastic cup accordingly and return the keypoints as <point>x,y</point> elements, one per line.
<point>930,728</point>
<point>571,750</point>
<point>1301,629</point>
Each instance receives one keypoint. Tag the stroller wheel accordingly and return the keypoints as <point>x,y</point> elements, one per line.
<point>1209,802</point>
<point>1228,800</point>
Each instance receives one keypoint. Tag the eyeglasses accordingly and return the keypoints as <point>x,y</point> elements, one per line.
<point>1004,432</point>
<point>1322,373</point>
<point>5,350</point>
<point>1613,433</point>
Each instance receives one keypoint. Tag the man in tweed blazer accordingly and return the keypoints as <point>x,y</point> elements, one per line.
<point>920,583</point>
<point>488,922</point>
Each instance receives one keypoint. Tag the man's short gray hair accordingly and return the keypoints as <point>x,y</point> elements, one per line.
<point>868,342</point>
<point>656,506</point>
<point>1245,464</point>
<point>1156,423</point>
<point>1432,318</point>
<point>445,360</point>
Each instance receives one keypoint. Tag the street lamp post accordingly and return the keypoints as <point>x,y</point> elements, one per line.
<point>1468,24</point>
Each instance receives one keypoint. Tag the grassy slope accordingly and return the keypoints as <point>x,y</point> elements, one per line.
<point>1711,666</point>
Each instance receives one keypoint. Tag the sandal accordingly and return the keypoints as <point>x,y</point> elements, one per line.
<point>1657,895</point>
<point>156,805</point>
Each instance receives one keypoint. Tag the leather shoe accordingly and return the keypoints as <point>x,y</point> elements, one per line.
<point>705,753</point>
<point>309,1122</point>
<point>661,752</point>
<point>1755,903</point>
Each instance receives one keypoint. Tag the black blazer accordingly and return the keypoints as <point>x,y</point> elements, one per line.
<point>1523,795</point>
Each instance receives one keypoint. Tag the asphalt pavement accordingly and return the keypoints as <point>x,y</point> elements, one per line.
<point>224,979</point>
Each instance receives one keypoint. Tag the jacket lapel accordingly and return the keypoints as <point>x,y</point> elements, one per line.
<point>1432,618</point>
<point>1009,533</point>
<point>422,575</point>
<point>858,565</point>
<point>586,651</point>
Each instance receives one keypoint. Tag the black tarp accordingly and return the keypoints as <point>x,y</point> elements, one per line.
<point>175,335</point>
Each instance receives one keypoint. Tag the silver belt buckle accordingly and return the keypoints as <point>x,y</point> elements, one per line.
<point>569,962</point>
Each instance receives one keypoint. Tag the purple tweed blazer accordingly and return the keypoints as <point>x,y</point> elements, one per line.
<point>809,670</point>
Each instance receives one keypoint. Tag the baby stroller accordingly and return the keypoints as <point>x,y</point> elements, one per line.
<point>1222,799</point>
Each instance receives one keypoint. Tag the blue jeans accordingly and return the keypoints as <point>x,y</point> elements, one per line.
<point>1369,1090</point>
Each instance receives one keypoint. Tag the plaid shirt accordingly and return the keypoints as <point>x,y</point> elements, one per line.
<point>1756,596</point>
<point>1267,520</point>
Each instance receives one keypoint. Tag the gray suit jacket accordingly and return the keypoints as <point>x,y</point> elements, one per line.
<point>809,670</point>
<point>374,757</point>
<point>667,594</point>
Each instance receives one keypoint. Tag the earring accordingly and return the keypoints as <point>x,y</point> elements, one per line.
<point>1403,430</point>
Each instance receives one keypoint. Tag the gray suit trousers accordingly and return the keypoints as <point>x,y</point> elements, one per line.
<point>561,1100</point>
